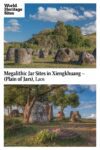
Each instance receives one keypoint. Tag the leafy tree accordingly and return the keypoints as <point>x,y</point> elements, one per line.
<point>60,98</point>
<point>60,33</point>
<point>60,29</point>
<point>14,96</point>
<point>10,96</point>
<point>27,95</point>
<point>61,36</point>
<point>87,42</point>
<point>74,35</point>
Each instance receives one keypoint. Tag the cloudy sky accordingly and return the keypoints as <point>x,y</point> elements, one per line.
<point>87,96</point>
<point>42,16</point>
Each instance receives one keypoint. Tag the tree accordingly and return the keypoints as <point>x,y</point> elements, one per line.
<point>74,35</point>
<point>60,29</point>
<point>63,99</point>
<point>27,95</point>
<point>10,96</point>
<point>87,42</point>
<point>40,94</point>
<point>60,33</point>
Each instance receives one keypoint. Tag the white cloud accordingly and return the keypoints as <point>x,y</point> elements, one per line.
<point>89,28</point>
<point>89,14</point>
<point>13,26</point>
<point>54,15</point>
<point>14,22</point>
<point>64,14</point>
<point>92,116</point>
<point>85,105</point>
<point>83,88</point>
<point>92,88</point>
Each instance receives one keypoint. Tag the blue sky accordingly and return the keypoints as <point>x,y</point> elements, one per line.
<point>87,97</point>
<point>43,16</point>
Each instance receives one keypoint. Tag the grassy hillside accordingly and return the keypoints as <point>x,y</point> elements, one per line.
<point>59,37</point>
<point>92,37</point>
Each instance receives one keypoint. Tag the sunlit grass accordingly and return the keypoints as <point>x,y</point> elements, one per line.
<point>47,62</point>
<point>25,136</point>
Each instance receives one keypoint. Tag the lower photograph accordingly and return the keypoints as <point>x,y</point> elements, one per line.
<point>50,115</point>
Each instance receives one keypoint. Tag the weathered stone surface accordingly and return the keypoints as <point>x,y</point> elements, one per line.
<point>22,56</point>
<point>49,111</point>
<point>87,58</point>
<point>94,53</point>
<point>41,54</point>
<point>75,116</point>
<point>10,54</point>
<point>50,52</point>
<point>29,51</point>
<point>14,113</point>
<point>65,55</point>
<point>41,113</point>
<point>65,134</point>
<point>36,53</point>
<point>60,115</point>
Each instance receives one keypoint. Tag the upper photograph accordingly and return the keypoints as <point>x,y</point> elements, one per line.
<point>51,36</point>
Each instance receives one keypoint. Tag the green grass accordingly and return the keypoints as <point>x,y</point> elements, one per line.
<point>47,62</point>
<point>24,134</point>
<point>27,139</point>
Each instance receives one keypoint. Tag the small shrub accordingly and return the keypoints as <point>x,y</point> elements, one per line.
<point>44,136</point>
<point>12,126</point>
<point>11,122</point>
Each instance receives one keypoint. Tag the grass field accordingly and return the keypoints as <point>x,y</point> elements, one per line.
<point>47,62</point>
<point>19,134</point>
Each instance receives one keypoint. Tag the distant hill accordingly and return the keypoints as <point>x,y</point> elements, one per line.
<point>61,36</point>
<point>92,37</point>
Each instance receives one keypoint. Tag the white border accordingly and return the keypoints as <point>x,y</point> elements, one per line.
<point>92,75</point>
